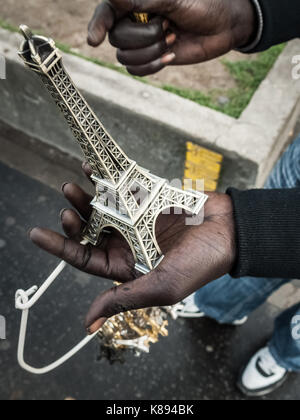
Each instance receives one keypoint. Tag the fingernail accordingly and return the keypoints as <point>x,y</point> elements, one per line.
<point>165,24</point>
<point>167,59</point>
<point>91,37</point>
<point>170,39</point>
<point>62,213</point>
<point>84,165</point>
<point>96,326</point>
<point>29,231</point>
<point>64,185</point>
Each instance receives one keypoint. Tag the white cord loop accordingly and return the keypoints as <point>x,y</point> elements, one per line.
<point>22,298</point>
<point>24,303</point>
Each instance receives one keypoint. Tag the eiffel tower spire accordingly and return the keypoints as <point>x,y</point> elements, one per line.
<point>106,158</point>
<point>128,198</point>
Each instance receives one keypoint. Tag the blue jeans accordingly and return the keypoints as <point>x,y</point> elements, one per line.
<point>228,299</point>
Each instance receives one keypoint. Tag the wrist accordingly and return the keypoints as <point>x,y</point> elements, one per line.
<point>232,234</point>
<point>244,23</point>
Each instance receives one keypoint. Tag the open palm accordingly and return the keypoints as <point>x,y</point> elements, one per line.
<point>194,255</point>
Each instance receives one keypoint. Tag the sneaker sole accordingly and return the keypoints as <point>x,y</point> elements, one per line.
<point>190,315</point>
<point>262,392</point>
<point>240,322</point>
<point>202,315</point>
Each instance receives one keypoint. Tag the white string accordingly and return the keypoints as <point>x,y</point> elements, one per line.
<point>24,304</point>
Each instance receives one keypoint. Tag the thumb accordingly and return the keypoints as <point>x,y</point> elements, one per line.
<point>109,11</point>
<point>101,23</point>
<point>144,292</point>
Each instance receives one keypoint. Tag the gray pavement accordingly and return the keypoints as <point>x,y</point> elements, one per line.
<point>199,360</point>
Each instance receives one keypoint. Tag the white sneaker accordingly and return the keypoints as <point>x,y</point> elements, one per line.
<point>188,309</point>
<point>262,375</point>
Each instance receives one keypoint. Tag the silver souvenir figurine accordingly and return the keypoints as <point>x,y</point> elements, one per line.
<point>128,197</point>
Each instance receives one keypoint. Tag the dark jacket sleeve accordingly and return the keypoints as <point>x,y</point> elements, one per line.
<point>281,22</point>
<point>268,233</point>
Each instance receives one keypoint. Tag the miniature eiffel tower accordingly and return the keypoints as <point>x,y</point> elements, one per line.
<point>128,197</point>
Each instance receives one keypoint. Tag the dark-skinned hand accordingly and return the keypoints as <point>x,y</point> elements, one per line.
<point>194,255</point>
<point>183,31</point>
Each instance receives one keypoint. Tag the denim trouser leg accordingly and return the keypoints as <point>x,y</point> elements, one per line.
<point>284,346</point>
<point>228,299</point>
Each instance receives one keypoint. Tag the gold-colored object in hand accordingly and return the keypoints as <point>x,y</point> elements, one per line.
<point>141,17</point>
<point>135,330</point>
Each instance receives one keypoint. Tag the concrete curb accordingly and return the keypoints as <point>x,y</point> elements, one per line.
<point>153,125</point>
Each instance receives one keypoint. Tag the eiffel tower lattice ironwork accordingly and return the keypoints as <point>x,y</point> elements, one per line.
<point>128,197</point>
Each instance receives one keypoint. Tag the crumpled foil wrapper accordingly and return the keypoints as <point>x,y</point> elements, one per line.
<point>135,331</point>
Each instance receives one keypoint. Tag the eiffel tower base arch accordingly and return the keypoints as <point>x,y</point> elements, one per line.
<point>141,235</point>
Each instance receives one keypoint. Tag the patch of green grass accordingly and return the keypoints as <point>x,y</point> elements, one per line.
<point>248,75</point>
<point>8,26</point>
<point>192,95</point>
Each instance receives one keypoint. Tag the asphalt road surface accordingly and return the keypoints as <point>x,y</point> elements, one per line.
<point>199,360</point>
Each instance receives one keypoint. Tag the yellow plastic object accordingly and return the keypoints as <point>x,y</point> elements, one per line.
<point>202,164</point>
